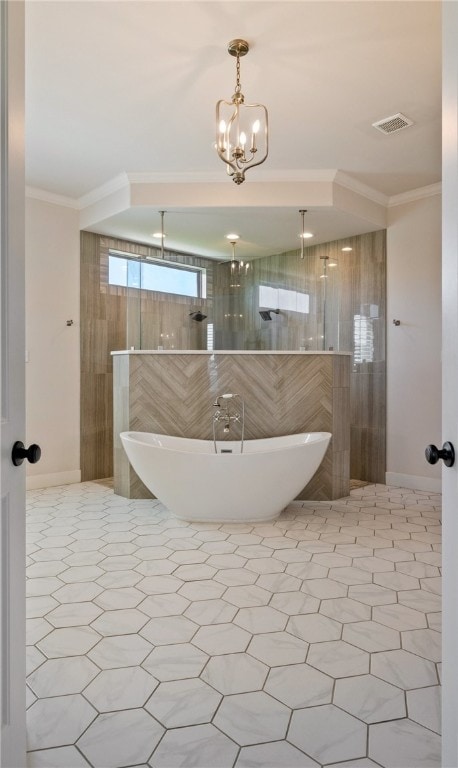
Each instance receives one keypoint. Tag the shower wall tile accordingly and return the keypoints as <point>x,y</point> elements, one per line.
<point>174,395</point>
<point>341,417</point>
<point>110,320</point>
<point>368,447</point>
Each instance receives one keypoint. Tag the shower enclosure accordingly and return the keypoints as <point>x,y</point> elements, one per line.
<point>345,310</point>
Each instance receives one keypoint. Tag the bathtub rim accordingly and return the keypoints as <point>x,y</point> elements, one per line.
<point>319,437</point>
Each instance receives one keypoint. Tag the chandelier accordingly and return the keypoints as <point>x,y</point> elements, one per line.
<point>237,269</point>
<point>241,129</point>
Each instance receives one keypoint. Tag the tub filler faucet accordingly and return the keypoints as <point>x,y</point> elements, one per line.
<point>230,410</point>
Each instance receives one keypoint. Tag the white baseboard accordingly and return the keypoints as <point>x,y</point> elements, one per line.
<point>415,482</point>
<point>56,478</point>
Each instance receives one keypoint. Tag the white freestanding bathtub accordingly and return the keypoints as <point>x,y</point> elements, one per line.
<point>195,483</point>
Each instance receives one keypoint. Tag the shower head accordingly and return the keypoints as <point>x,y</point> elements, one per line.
<point>265,313</point>
<point>199,316</point>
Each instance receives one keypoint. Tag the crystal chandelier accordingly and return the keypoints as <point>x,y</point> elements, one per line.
<point>241,129</point>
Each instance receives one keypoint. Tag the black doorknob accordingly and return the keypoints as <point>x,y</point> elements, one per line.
<point>446,453</point>
<point>20,452</point>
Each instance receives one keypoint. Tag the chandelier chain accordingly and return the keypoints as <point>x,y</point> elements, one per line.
<point>238,86</point>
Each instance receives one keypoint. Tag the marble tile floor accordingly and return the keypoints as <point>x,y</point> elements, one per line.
<point>310,641</point>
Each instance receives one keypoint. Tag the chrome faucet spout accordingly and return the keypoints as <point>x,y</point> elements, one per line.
<point>229,412</point>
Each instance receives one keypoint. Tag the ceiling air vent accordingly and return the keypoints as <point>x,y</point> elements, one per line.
<point>393,124</point>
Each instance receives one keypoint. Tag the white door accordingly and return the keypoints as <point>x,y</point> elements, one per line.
<point>450,381</point>
<point>12,391</point>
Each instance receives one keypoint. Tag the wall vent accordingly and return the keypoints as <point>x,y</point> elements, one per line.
<point>393,124</point>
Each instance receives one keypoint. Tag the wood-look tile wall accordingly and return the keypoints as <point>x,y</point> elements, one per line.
<point>115,318</point>
<point>356,286</point>
<point>173,394</point>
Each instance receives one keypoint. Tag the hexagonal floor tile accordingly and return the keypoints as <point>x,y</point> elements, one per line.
<point>291,556</point>
<point>156,567</point>
<point>278,648</point>
<point>159,585</point>
<point>188,557</point>
<point>120,651</point>
<point>204,612</point>
<point>399,617</point>
<point>37,628</point>
<point>403,669</point>
<point>221,638</point>
<point>420,600</point>
<point>116,689</point>
<point>202,590</point>
<point>235,673</point>
<point>424,642</point>
<point>195,572</point>
<point>125,621</point>
<point>43,586</point>
<point>338,659</point>
<point>405,743</point>
<point>57,721</point>
<point>175,662</point>
<point>280,582</point>
<point>424,706</point>
<point>57,677</point>
<point>307,571</point>
<point>252,718</point>
<point>272,755</point>
<point>201,745</point>
<point>73,614</point>
<point>372,594</point>
<point>247,596</point>
<point>324,588</point>
<point>116,579</point>
<point>293,603</point>
<point>81,573</point>
<point>169,630</point>
<point>370,699</point>
<point>69,757</point>
<point>371,636</point>
<point>262,618</point>
<point>163,605</point>
<point>350,575</point>
<point>77,593</point>
<point>263,565</point>
<point>298,685</point>
<point>105,743</point>
<point>314,628</point>
<point>71,641</point>
<point>311,728</point>
<point>125,597</point>
<point>345,609</point>
<point>183,702</point>
<point>235,577</point>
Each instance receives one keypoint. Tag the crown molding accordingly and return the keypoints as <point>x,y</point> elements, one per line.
<point>124,180</point>
<point>364,190</point>
<point>113,185</point>
<point>51,197</point>
<point>415,194</point>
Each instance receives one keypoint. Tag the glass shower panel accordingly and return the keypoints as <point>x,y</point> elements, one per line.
<point>133,323</point>
<point>331,305</point>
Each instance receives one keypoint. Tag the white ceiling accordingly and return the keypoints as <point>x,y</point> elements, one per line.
<point>131,87</point>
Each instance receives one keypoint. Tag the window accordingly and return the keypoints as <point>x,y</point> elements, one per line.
<point>363,337</point>
<point>210,337</point>
<point>280,298</point>
<point>156,276</point>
